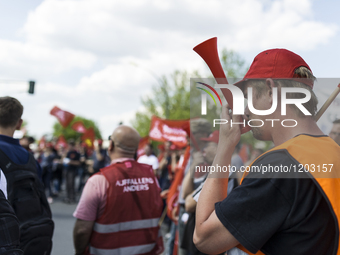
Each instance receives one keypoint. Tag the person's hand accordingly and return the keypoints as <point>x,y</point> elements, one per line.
<point>230,133</point>
<point>164,194</point>
<point>174,214</point>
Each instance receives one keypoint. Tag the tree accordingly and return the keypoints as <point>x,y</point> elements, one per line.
<point>69,133</point>
<point>170,100</point>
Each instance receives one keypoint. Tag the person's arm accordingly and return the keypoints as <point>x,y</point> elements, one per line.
<point>210,235</point>
<point>190,203</point>
<point>81,235</point>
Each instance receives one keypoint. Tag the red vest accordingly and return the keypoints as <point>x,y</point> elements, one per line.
<point>129,224</point>
<point>322,156</point>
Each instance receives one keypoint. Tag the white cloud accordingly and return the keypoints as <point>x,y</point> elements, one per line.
<point>120,28</point>
<point>23,60</point>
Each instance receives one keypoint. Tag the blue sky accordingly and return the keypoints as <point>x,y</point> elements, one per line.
<point>80,52</point>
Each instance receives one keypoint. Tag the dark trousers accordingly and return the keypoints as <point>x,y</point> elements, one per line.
<point>70,183</point>
<point>46,178</point>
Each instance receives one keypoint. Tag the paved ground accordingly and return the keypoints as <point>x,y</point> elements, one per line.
<point>64,222</point>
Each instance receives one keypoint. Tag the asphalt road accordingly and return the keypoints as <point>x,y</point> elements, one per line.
<point>63,227</point>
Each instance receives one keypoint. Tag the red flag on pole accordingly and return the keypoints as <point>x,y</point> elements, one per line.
<point>79,127</point>
<point>88,137</point>
<point>64,117</point>
<point>169,130</point>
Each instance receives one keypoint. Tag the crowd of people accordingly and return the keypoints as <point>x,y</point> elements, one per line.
<point>172,200</point>
<point>61,164</point>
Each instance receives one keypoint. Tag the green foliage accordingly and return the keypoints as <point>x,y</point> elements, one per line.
<point>233,64</point>
<point>170,100</point>
<point>69,133</point>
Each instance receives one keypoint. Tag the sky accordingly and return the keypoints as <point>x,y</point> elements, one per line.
<point>98,58</point>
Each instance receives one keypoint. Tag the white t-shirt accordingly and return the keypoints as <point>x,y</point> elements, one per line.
<point>151,160</point>
<point>3,183</point>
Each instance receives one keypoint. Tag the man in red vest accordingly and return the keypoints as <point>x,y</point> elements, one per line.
<point>288,203</point>
<point>120,206</point>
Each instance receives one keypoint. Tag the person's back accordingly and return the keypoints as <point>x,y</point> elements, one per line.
<point>120,206</point>
<point>24,188</point>
<point>133,207</point>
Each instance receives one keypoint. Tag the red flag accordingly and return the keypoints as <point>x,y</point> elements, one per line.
<point>143,141</point>
<point>88,137</point>
<point>79,127</point>
<point>64,117</point>
<point>61,142</point>
<point>169,130</point>
<point>172,198</point>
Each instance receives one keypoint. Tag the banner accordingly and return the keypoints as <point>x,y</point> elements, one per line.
<point>169,130</point>
<point>79,127</point>
<point>63,117</point>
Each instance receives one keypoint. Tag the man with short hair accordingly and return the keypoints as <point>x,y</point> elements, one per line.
<point>120,206</point>
<point>10,120</point>
<point>335,132</point>
<point>27,196</point>
<point>289,211</point>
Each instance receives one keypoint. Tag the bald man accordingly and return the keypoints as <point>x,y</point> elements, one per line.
<point>120,206</point>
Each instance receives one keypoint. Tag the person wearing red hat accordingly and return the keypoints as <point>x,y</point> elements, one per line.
<point>285,203</point>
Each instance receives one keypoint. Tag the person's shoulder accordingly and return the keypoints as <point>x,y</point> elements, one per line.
<point>97,180</point>
<point>153,157</point>
<point>276,164</point>
<point>142,165</point>
<point>143,157</point>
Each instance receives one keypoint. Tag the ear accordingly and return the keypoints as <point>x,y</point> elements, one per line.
<point>18,126</point>
<point>270,84</point>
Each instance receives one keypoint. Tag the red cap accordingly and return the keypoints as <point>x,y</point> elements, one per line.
<point>100,141</point>
<point>213,137</point>
<point>278,64</point>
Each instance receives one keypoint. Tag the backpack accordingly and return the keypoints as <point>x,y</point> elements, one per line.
<point>27,196</point>
<point>9,229</point>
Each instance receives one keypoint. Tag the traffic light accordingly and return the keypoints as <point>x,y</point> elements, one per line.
<point>31,87</point>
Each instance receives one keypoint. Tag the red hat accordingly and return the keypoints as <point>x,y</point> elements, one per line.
<point>276,63</point>
<point>100,141</point>
<point>213,137</point>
